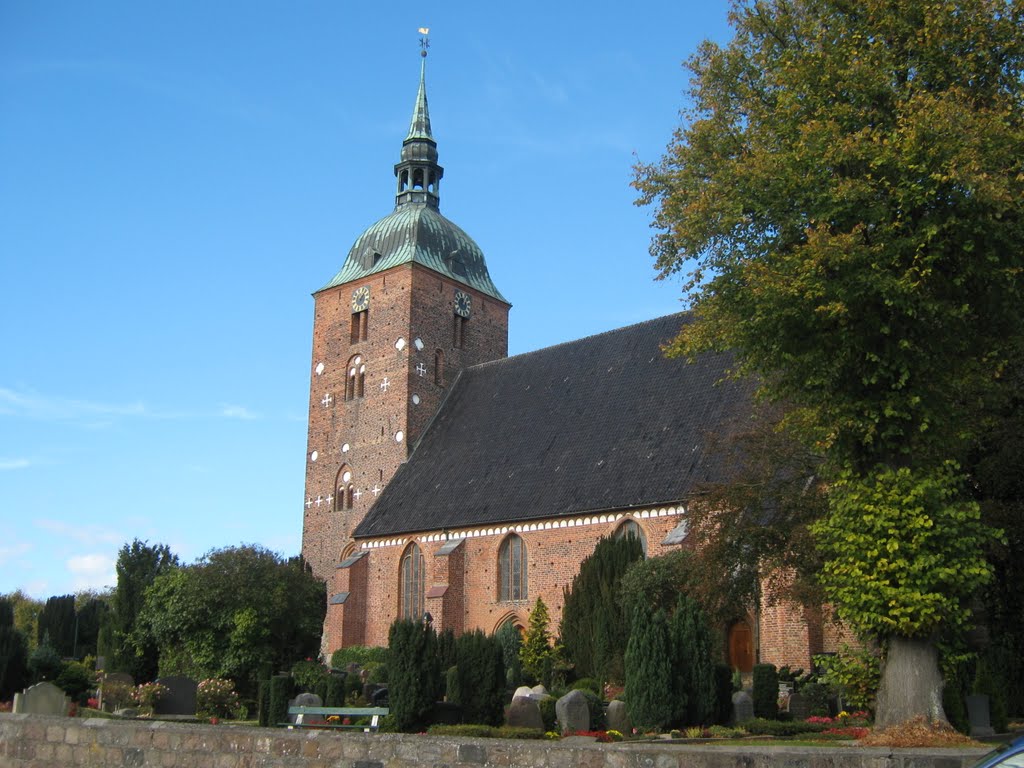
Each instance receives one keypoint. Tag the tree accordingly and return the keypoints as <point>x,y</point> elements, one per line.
<point>232,612</point>
<point>91,614</point>
<point>480,678</point>
<point>57,622</point>
<point>26,615</point>
<point>648,670</point>
<point>536,653</point>
<point>414,675</point>
<point>691,656</point>
<point>847,199</point>
<point>13,653</point>
<point>594,627</point>
<point>138,565</point>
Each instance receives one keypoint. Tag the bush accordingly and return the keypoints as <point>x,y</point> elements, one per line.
<point>761,727</point>
<point>413,672</point>
<point>723,694</point>
<point>479,678</point>
<point>596,708</point>
<point>766,691</point>
<point>116,695</point>
<point>358,654</point>
<point>216,697</point>
<point>817,696</point>
<point>856,673</point>
<point>76,681</point>
<point>376,672</point>
<point>308,674</point>
<point>648,671</point>
<point>333,691</point>
<point>485,732</point>
<point>44,664</point>
<point>148,694</point>
<point>281,690</point>
<point>548,713</point>
<point>511,641</point>
<point>587,683</point>
<point>263,697</point>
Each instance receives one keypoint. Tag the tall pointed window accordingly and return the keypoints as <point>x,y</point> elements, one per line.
<point>410,584</point>
<point>631,528</point>
<point>355,380</point>
<point>512,580</point>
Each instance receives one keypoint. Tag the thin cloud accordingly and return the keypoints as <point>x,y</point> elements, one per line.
<point>38,406</point>
<point>238,412</point>
<point>85,534</point>
<point>7,465</point>
<point>92,571</point>
<point>11,552</point>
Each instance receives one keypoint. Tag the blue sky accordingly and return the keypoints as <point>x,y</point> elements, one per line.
<point>176,179</point>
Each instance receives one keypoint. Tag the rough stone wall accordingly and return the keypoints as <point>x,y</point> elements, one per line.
<point>28,741</point>
<point>372,435</point>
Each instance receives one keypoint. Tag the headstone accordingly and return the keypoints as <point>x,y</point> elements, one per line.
<point>128,712</point>
<point>180,698</point>
<point>41,699</point>
<point>799,706</point>
<point>573,712</point>
<point>380,697</point>
<point>742,707</point>
<point>446,713</point>
<point>618,717</point>
<point>540,692</point>
<point>523,692</point>
<point>978,716</point>
<point>308,700</point>
<point>525,713</point>
<point>110,682</point>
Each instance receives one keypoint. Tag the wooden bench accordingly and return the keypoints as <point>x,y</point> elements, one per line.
<point>374,713</point>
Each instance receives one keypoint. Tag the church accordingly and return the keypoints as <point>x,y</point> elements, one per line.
<point>445,478</point>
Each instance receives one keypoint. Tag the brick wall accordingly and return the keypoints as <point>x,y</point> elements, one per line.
<point>28,741</point>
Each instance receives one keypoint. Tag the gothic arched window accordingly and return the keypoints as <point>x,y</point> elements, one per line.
<point>410,584</point>
<point>512,569</point>
<point>343,489</point>
<point>355,379</point>
<point>631,528</point>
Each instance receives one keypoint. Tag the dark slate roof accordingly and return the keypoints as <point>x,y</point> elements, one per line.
<point>606,422</point>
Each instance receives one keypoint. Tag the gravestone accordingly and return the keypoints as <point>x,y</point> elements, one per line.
<point>618,717</point>
<point>742,707</point>
<point>115,679</point>
<point>523,692</point>
<point>307,700</point>
<point>978,716</point>
<point>799,706</point>
<point>525,713</point>
<point>380,697</point>
<point>180,698</point>
<point>41,699</point>
<point>573,712</point>
<point>446,713</point>
<point>540,692</point>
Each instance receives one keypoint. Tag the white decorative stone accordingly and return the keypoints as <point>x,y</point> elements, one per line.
<point>400,344</point>
<point>313,456</point>
<point>399,436</point>
<point>345,448</point>
<point>319,368</point>
<point>415,399</point>
<point>418,344</point>
<point>346,476</point>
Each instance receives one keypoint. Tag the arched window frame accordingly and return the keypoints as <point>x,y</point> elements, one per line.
<point>630,527</point>
<point>343,489</point>
<point>513,569</point>
<point>355,377</point>
<point>411,583</point>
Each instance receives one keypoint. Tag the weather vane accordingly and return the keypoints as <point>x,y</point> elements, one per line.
<point>425,40</point>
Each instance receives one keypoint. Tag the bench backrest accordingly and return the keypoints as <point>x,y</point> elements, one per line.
<point>341,711</point>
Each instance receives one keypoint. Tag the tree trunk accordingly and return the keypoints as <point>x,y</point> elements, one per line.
<point>911,684</point>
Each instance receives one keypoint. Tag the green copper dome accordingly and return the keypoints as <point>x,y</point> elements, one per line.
<point>416,232</point>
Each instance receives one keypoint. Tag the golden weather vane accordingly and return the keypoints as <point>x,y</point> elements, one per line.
<point>425,40</point>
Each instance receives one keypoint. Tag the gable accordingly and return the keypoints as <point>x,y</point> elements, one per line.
<point>606,422</point>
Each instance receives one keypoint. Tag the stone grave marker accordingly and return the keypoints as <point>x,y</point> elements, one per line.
<point>618,717</point>
<point>799,706</point>
<point>573,712</point>
<point>41,699</point>
<point>742,707</point>
<point>979,716</point>
<point>525,713</point>
<point>523,692</point>
<point>114,679</point>
<point>180,698</point>
<point>307,700</point>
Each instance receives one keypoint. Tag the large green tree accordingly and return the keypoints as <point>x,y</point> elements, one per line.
<point>13,653</point>
<point>138,565</point>
<point>846,195</point>
<point>232,612</point>
<point>57,624</point>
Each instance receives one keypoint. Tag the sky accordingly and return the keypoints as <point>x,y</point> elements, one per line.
<point>177,179</point>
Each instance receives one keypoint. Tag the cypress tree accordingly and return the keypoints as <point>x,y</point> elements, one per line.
<point>648,671</point>
<point>766,691</point>
<point>536,654</point>
<point>57,621</point>
<point>511,641</point>
<point>413,673</point>
<point>282,688</point>
<point>480,678</point>
<point>594,628</point>
<point>13,653</point>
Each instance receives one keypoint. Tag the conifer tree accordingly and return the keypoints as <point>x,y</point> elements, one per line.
<point>594,627</point>
<point>648,671</point>
<point>536,654</point>
<point>57,621</point>
<point>480,678</point>
<point>693,668</point>
<point>13,653</point>
<point>414,678</point>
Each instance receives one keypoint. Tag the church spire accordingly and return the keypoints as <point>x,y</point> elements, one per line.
<point>418,173</point>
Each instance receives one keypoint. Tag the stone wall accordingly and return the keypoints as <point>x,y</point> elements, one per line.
<point>28,741</point>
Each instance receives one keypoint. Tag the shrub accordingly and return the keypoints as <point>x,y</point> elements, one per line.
<point>333,691</point>
<point>376,672</point>
<point>308,674</point>
<point>587,683</point>
<point>148,694</point>
<point>510,639</point>
<point>817,695</point>
<point>216,697</point>
<point>13,653</point>
<point>485,732</point>
<point>648,673</point>
<point>263,697</point>
<point>480,678</point>
<point>692,667</point>
<point>760,726</point>
<point>281,690</point>
<point>766,691</point>
<point>116,695</point>
<point>76,681</point>
<point>855,672</point>
<point>451,685</point>
<point>536,654</point>
<point>358,654</point>
<point>723,693</point>
<point>44,664</point>
<point>596,709</point>
<point>548,713</point>
<point>414,676</point>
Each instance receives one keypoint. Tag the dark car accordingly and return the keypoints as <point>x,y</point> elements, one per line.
<point>1009,755</point>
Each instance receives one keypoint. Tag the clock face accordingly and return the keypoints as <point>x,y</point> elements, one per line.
<point>463,303</point>
<point>360,298</point>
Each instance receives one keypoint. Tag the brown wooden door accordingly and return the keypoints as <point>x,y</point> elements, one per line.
<point>741,647</point>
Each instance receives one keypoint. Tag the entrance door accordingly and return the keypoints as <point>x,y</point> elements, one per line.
<point>741,647</point>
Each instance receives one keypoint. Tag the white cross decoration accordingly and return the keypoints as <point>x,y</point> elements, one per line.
<point>376,489</point>
<point>356,494</point>
<point>327,400</point>
<point>309,503</point>
<point>385,384</point>
<point>421,369</point>
<point>328,499</point>
<point>319,501</point>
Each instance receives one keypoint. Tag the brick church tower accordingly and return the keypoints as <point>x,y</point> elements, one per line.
<point>412,306</point>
